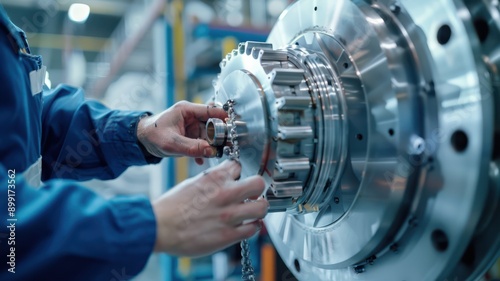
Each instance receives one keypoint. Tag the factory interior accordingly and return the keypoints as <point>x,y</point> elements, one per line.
<point>374,123</point>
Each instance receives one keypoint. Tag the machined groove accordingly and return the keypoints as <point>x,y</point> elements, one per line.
<point>293,102</point>
<point>292,164</point>
<point>287,189</point>
<point>291,133</point>
<point>274,55</point>
<point>287,77</point>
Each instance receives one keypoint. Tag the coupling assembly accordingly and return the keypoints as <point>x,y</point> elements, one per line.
<point>218,134</point>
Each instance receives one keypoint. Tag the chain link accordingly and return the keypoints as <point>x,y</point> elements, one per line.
<point>233,152</point>
<point>246,262</point>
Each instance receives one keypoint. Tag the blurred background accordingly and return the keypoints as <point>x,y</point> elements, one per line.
<point>146,55</point>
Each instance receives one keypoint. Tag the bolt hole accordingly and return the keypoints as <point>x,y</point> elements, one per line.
<point>346,65</point>
<point>315,9</point>
<point>297,265</point>
<point>444,34</point>
<point>359,137</point>
<point>482,29</point>
<point>459,141</point>
<point>391,132</point>
<point>439,240</point>
<point>297,43</point>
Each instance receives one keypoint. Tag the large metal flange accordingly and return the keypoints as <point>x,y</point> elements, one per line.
<point>415,83</point>
<point>372,123</point>
<point>484,247</point>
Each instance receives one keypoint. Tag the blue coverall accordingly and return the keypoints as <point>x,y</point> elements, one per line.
<point>61,230</point>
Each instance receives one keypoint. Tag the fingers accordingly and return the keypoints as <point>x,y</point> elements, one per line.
<point>195,129</point>
<point>223,176</point>
<point>232,168</point>
<point>193,147</point>
<point>204,112</point>
<point>234,235</point>
<point>251,187</point>
<point>245,231</point>
<point>236,215</point>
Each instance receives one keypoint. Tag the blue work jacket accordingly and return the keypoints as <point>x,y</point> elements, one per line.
<point>61,230</point>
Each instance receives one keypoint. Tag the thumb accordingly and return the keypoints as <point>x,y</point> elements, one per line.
<point>247,230</point>
<point>194,147</point>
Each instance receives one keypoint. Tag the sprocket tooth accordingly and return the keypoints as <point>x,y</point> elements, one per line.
<point>250,45</point>
<point>257,53</point>
<point>241,48</point>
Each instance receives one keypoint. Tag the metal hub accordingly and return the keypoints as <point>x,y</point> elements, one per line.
<point>296,128</point>
<point>373,125</point>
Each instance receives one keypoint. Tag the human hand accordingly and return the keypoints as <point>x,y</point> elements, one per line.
<point>204,214</point>
<point>178,131</point>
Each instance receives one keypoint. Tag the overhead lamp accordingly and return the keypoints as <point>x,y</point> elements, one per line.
<point>78,12</point>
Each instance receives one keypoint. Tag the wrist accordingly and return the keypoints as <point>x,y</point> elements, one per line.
<point>162,231</point>
<point>142,136</point>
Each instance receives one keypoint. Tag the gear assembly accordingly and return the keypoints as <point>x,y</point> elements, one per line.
<point>376,125</point>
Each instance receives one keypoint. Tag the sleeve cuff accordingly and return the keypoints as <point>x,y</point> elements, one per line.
<point>150,158</point>
<point>125,142</point>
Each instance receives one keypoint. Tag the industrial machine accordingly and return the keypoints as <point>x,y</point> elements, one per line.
<point>376,125</point>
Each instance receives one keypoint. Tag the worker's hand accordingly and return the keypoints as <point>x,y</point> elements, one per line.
<point>206,213</point>
<point>179,131</point>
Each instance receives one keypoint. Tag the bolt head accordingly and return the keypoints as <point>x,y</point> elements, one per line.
<point>359,269</point>
<point>395,8</point>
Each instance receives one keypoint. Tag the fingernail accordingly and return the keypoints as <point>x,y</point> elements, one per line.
<point>262,198</point>
<point>210,152</point>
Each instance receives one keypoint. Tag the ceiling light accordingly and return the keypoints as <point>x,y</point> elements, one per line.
<point>78,12</point>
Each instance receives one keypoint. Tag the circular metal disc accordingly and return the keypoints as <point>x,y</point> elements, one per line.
<point>450,192</point>
<point>241,87</point>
